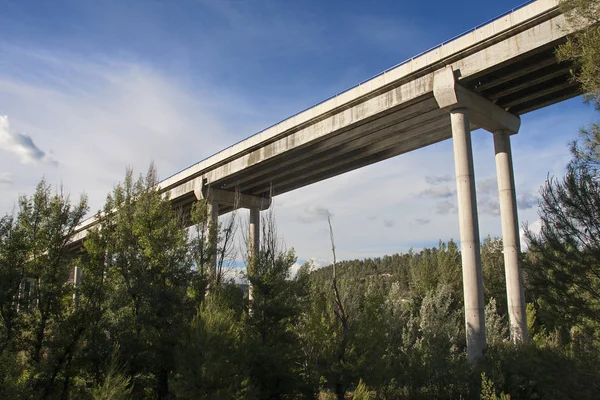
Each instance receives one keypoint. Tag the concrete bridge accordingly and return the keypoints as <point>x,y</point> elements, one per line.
<point>485,78</point>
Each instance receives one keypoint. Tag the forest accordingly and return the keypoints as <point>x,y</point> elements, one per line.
<point>152,318</point>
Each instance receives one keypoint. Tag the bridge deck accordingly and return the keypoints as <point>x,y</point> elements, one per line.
<point>509,60</point>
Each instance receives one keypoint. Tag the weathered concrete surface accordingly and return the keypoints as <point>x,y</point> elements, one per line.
<point>253,244</point>
<point>510,237</point>
<point>234,199</point>
<point>469,233</point>
<point>508,61</point>
<point>482,112</point>
<point>388,99</point>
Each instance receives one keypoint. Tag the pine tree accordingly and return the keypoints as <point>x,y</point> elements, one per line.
<point>583,47</point>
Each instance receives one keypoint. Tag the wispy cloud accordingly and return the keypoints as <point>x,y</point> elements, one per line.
<point>487,186</point>
<point>422,221</point>
<point>526,201</point>
<point>437,179</point>
<point>439,192</point>
<point>445,207</point>
<point>489,206</point>
<point>314,213</point>
<point>389,223</point>
<point>22,145</point>
<point>100,116</point>
<point>6,178</point>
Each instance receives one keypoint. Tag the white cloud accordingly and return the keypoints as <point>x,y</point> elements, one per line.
<point>535,227</point>
<point>439,192</point>
<point>446,207</point>
<point>527,200</point>
<point>389,223</point>
<point>436,180</point>
<point>5,178</point>
<point>314,213</point>
<point>21,144</point>
<point>99,117</point>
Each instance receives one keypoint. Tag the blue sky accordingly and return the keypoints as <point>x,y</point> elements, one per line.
<point>97,86</point>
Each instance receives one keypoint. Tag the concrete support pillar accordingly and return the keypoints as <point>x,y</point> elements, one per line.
<point>213,224</point>
<point>76,282</point>
<point>469,233</point>
<point>510,237</point>
<point>254,235</point>
<point>253,243</point>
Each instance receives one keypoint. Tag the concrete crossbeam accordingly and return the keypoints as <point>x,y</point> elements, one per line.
<point>482,112</point>
<point>232,198</point>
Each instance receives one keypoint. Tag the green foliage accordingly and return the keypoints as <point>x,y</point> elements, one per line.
<point>276,365</point>
<point>40,329</point>
<point>362,392</point>
<point>583,47</point>
<point>212,358</point>
<point>116,385</point>
<point>586,151</point>
<point>139,258</point>
<point>541,371</point>
<point>187,333</point>
<point>488,391</point>
<point>496,327</point>
<point>494,281</point>
<point>562,273</point>
<point>564,267</point>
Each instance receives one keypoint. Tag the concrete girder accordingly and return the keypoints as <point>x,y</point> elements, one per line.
<point>364,148</point>
<point>518,73</point>
<point>319,130</point>
<point>304,154</point>
<point>535,94</point>
<point>403,147</point>
<point>528,82</point>
<point>482,112</point>
<point>565,94</point>
<point>388,135</point>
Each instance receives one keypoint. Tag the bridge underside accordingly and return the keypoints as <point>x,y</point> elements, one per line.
<point>509,61</point>
<point>524,84</point>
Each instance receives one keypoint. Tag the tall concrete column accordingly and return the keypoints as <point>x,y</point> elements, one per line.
<point>254,234</point>
<point>469,233</point>
<point>253,243</point>
<point>213,223</point>
<point>76,282</point>
<point>510,237</point>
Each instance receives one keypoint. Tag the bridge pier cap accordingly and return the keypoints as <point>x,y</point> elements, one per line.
<point>232,198</point>
<point>482,112</point>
